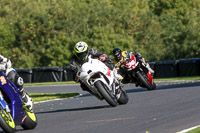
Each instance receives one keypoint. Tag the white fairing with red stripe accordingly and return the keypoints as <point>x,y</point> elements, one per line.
<point>87,71</point>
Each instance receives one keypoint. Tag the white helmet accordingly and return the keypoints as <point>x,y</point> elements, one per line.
<point>81,51</point>
<point>80,47</point>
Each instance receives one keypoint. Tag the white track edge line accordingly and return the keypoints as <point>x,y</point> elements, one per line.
<point>189,129</point>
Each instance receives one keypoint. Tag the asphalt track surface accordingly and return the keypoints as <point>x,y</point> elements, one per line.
<point>172,107</point>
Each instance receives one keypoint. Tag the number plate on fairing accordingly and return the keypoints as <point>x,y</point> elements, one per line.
<point>3,80</point>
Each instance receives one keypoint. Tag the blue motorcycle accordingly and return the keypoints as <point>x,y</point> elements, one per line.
<point>12,110</point>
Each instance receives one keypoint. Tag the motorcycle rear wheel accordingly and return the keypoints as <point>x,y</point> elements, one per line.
<point>6,122</point>
<point>145,82</point>
<point>123,99</point>
<point>111,99</point>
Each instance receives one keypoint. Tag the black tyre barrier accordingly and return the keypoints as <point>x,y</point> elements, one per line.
<point>166,69</point>
<point>47,74</point>
<point>67,74</point>
<point>189,67</point>
<point>163,69</point>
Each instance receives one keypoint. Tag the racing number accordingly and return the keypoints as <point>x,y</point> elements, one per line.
<point>131,64</point>
<point>3,80</point>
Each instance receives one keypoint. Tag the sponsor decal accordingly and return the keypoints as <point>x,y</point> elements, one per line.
<point>108,72</point>
<point>150,78</point>
<point>24,118</point>
<point>3,80</point>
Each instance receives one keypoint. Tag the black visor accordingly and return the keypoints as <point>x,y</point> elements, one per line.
<point>82,57</point>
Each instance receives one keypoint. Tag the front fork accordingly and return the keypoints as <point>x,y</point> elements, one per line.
<point>116,89</point>
<point>147,72</point>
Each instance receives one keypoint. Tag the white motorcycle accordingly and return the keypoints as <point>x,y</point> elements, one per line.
<point>101,81</point>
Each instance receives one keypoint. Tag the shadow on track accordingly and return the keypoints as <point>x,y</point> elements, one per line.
<point>76,109</point>
<point>17,130</point>
<point>172,85</point>
<point>164,87</point>
<point>160,86</point>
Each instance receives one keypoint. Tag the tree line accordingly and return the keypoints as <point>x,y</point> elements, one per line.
<point>42,33</point>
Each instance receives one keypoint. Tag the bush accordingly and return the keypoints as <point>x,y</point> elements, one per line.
<point>43,33</point>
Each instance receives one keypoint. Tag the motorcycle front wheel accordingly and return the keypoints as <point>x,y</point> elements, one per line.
<point>106,94</point>
<point>6,122</point>
<point>31,121</point>
<point>144,80</point>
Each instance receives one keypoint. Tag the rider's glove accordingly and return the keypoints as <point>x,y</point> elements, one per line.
<point>2,64</point>
<point>1,59</point>
<point>76,79</point>
<point>103,57</point>
<point>72,65</point>
<point>126,59</point>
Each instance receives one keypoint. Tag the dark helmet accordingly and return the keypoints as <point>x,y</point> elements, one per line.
<point>117,52</point>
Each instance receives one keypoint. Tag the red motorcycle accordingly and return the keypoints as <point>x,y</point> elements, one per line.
<point>135,71</point>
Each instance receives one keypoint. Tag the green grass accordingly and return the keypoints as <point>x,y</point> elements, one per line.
<point>72,82</point>
<point>178,78</point>
<point>37,97</point>
<point>50,83</point>
<point>196,130</point>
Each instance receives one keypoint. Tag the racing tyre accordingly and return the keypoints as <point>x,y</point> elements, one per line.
<point>154,86</point>
<point>111,99</point>
<point>123,99</point>
<point>144,80</point>
<point>31,120</point>
<point>6,122</point>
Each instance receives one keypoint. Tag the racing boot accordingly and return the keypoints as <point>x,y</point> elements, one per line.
<point>27,100</point>
<point>117,76</point>
<point>148,66</point>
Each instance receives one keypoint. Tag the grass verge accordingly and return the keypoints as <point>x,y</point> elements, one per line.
<point>178,78</point>
<point>196,130</point>
<point>72,82</point>
<point>50,83</point>
<point>37,97</point>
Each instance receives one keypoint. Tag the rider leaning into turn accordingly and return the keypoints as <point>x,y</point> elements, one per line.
<point>120,56</point>
<point>5,65</point>
<point>81,53</point>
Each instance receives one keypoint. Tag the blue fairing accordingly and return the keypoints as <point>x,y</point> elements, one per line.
<point>12,93</point>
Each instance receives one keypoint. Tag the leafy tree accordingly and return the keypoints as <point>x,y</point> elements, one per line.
<point>7,38</point>
<point>43,33</point>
